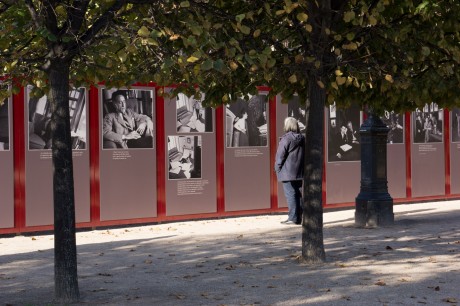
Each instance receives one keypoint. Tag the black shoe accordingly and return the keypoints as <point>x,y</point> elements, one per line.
<point>288,222</point>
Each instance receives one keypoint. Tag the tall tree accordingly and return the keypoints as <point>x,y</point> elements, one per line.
<point>51,44</point>
<point>387,54</point>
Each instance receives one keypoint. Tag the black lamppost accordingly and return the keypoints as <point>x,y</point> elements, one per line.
<point>374,205</point>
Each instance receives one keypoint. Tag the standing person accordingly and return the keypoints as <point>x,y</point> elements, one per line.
<point>241,130</point>
<point>427,127</point>
<point>289,167</point>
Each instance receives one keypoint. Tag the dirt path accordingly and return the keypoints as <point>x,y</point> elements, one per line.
<point>250,261</point>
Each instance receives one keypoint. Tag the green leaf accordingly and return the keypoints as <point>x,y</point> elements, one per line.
<point>349,16</point>
<point>245,30</point>
<point>143,32</point>
<point>240,17</point>
<point>426,51</point>
<point>219,65</point>
<point>302,17</point>
<point>207,65</point>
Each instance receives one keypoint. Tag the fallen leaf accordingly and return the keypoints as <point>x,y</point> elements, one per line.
<point>230,267</point>
<point>388,247</point>
<point>179,296</point>
<point>148,261</point>
<point>33,238</point>
<point>380,283</point>
<point>450,300</point>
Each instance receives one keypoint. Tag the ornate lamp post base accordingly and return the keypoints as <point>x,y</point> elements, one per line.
<point>374,205</point>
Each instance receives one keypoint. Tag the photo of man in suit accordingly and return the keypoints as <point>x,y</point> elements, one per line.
<point>125,128</point>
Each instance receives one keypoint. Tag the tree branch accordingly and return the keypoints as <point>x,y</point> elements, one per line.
<point>33,13</point>
<point>76,15</point>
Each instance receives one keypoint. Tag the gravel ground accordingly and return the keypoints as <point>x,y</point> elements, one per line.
<point>250,261</point>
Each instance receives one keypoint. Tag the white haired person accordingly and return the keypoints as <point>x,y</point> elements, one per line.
<point>289,168</point>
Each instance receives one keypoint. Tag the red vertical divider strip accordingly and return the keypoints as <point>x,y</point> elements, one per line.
<point>95,190</point>
<point>160,145</point>
<point>273,148</point>
<point>19,161</point>
<point>446,134</point>
<point>220,148</point>
<point>323,184</point>
<point>407,134</point>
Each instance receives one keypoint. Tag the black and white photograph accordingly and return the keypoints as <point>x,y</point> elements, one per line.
<point>191,116</point>
<point>395,122</point>
<point>343,134</point>
<point>427,124</point>
<point>39,117</point>
<point>297,111</point>
<point>455,123</point>
<point>127,119</point>
<point>184,157</point>
<point>246,122</point>
<point>4,126</point>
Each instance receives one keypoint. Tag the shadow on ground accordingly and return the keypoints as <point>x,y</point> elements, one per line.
<point>416,261</point>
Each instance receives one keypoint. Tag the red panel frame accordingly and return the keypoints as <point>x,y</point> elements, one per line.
<point>408,138</point>
<point>19,167</point>
<point>95,212</point>
<point>446,133</point>
<point>19,161</point>
<point>220,159</point>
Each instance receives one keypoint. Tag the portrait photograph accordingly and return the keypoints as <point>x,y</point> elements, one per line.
<point>427,124</point>
<point>184,157</point>
<point>246,122</point>
<point>4,126</point>
<point>343,134</point>
<point>127,119</point>
<point>39,117</point>
<point>455,123</point>
<point>297,111</point>
<point>395,122</point>
<point>191,116</point>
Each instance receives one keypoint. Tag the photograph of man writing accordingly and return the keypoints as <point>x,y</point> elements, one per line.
<point>343,134</point>
<point>125,126</point>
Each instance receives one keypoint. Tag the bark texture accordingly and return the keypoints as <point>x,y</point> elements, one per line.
<point>312,223</point>
<point>65,250</point>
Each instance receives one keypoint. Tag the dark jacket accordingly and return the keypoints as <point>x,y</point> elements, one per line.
<point>289,160</point>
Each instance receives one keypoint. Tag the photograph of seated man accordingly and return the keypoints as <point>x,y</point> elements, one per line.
<point>455,125</point>
<point>184,156</point>
<point>246,122</point>
<point>297,111</point>
<point>395,123</point>
<point>4,126</point>
<point>343,134</point>
<point>427,124</point>
<point>191,116</point>
<point>127,119</point>
<point>39,113</point>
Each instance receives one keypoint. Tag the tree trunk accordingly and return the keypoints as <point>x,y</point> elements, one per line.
<point>65,250</point>
<point>312,225</point>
